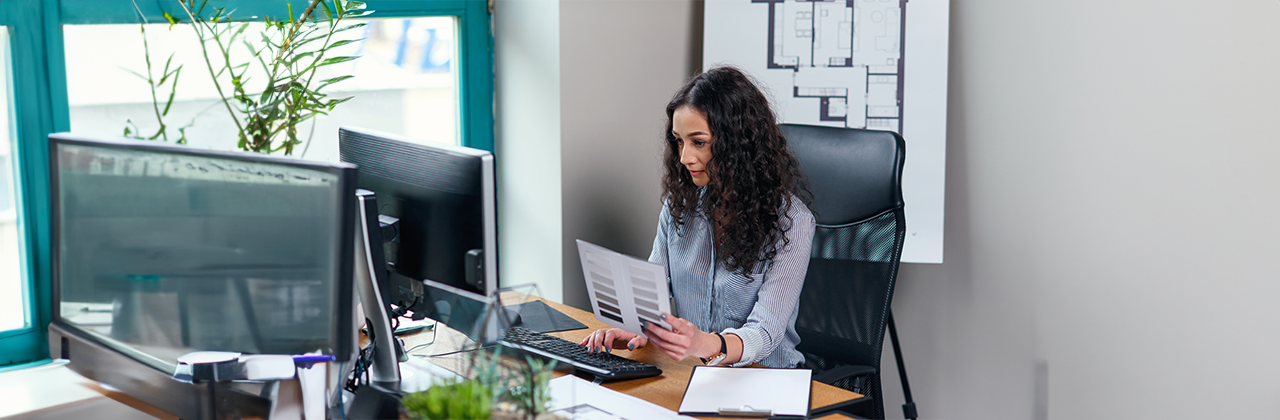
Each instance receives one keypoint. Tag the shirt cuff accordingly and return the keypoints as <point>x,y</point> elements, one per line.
<point>751,344</point>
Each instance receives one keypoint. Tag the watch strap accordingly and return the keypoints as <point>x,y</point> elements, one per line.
<point>718,357</point>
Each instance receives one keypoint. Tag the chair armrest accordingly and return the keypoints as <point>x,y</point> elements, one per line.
<point>842,372</point>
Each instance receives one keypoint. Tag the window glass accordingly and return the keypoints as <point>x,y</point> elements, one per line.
<point>405,83</point>
<point>13,294</point>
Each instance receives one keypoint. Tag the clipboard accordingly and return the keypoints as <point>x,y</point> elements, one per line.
<point>717,391</point>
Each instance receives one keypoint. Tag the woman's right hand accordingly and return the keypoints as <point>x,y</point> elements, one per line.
<point>613,338</point>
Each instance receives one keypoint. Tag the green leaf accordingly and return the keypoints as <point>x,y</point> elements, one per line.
<point>305,41</point>
<point>271,106</point>
<point>357,14</point>
<point>327,82</point>
<point>328,12</point>
<point>349,27</point>
<point>339,6</point>
<point>343,42</point>
<point>172,20</point>
<point>336,60</point>
<point>168,73</point>
<point>166,67</point>
<point>354,5</point>
<point>267,40</point>
<point>336,79</point>
<point>172,92</point>
<point>304,118</point>
<point>140,76</point>
<point>243,26</point>
<point>334,102</point>
<point>295,58</point>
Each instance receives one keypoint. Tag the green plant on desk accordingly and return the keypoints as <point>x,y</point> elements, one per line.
<point>532,394</point>
<point>497,390</point>
<point>467,399</point>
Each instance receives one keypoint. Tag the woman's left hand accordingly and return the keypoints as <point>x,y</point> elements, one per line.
<point>685,340</point>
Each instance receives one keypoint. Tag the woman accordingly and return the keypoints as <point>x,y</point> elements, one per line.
<point>733,232</point>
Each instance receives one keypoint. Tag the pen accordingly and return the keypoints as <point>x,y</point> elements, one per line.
<point>745,411</point>
<point>311,358</point>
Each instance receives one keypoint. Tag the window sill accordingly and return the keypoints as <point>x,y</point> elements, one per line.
<point>53,391</point>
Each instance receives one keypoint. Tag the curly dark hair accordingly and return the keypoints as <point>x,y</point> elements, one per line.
<point>753,175</point>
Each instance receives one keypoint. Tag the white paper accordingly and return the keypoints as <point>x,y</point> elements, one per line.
<point>624,289</point>
<point>312,380</point>
<point>712,389</point>
<point>578,399</point>
<point>268,367</point>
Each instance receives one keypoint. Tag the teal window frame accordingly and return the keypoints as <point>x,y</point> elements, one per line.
<point>39,98</point>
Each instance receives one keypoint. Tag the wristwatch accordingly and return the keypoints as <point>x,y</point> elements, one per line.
<point>718,357</point>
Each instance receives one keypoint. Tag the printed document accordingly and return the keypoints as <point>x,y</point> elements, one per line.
<point>624,289</point>
<point>578,399</point>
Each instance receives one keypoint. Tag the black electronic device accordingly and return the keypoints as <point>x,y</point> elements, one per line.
<point>604,366</point>
<point>485,321</point>
<point>442,199</point>
<point>414,328</point>
<point>162,250</point>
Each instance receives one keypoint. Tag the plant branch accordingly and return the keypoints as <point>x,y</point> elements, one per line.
<point>199,27</point>
<point>151,84</point>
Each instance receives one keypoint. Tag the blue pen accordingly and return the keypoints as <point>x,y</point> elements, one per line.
<point>312,358</point>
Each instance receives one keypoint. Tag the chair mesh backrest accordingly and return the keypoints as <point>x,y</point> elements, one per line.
<point>845,301</point>
<point>855,176</point>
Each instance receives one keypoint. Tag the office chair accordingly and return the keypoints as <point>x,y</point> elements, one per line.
<point>856,180</point>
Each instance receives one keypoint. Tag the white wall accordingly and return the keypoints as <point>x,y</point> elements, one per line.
<point>581,88</point>
<point>527,148</point>
<point>621,60</point>
<point>1113,187</point>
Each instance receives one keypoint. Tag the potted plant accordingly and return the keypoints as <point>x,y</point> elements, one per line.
<point>289,53</point>
<point>496,390</point>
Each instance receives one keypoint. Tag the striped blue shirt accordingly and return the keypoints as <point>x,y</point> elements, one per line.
<point>760,308</point>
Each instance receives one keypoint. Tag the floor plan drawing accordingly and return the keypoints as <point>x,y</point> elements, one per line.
<point>856,64</point>
<point>845,56</point>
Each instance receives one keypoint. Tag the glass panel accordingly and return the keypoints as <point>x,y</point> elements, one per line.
<point>405,83</point>
<point>13,293</point>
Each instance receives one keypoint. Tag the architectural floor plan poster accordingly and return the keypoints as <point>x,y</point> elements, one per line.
<point>874,64</point>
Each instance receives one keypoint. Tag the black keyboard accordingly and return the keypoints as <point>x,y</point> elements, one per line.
<point>604,366</point>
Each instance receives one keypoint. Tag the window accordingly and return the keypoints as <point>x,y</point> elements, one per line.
<point>13,291</point>
<point>405,83</point>
<point>48,93</point>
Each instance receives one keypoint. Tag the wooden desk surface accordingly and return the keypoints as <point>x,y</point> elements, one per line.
<point>668,389</point>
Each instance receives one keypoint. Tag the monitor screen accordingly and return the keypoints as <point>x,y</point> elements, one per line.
<point>443,199</point>
<point>480,318</point>
<point>162,250</point>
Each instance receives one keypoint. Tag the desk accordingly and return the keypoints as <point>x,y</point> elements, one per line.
<point>668,389</point>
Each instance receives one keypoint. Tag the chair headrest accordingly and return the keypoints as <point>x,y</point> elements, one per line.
<point>853,173</point>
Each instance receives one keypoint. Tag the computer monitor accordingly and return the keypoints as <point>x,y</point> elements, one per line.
<point>162,250</point>
<point>444,200</point>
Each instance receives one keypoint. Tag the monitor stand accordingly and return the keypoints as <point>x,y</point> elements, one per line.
<point>385,371</point>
